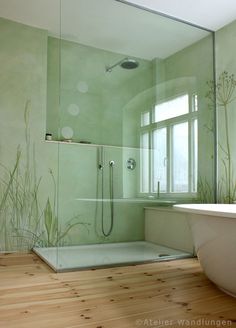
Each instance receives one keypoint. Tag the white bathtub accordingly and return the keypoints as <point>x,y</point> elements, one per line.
<point>214,235</point>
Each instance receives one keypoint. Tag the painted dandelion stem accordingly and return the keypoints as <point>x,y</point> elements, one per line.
<point>225,89</point>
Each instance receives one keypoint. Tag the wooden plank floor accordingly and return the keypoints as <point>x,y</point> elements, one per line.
<point>164,294</point>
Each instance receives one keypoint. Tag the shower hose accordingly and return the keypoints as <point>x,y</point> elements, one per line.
<point>111,192</point>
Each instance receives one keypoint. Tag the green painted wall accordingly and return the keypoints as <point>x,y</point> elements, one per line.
<point>225,61</point>
<point>92,100</point>
<point>23,80</point>
<point>91,104</point>
<point>23,86</point>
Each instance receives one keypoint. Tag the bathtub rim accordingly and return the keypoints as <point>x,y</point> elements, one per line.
<point>214,210</point>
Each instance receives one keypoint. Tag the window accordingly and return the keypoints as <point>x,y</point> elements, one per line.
<point>168,141</point>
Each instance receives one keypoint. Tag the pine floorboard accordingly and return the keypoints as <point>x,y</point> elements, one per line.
<point>164,294</point>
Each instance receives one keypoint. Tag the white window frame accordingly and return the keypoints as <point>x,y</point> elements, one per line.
<point>189,117</point>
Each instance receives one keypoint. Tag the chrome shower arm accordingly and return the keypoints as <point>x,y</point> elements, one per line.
<point>110,68</point>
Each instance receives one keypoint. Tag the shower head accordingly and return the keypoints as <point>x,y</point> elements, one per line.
<point>129,63</point>
<point>126,63</point>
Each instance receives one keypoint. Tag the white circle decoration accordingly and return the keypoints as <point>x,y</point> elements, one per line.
<point>82,87</point>
<point>67,132</point>
<point>73,109</point>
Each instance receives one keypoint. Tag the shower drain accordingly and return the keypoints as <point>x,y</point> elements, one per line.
<point>163,255</point>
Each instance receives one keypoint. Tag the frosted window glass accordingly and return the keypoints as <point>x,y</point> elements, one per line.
<point>145,119</point>
<point>180,157</point>
<point>159,160</point>
<point>144,161</point>
<point>195,103</point>
<point>171,108</point>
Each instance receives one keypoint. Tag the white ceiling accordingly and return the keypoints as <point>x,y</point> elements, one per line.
<point>39,13</point>
<point>114,26</point>
<point>121,28</point>
<point>211,14</point>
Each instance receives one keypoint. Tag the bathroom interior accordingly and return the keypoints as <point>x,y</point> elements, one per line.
<point>109,118</point>
<point>117,145</point>
<point>115,124</point>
